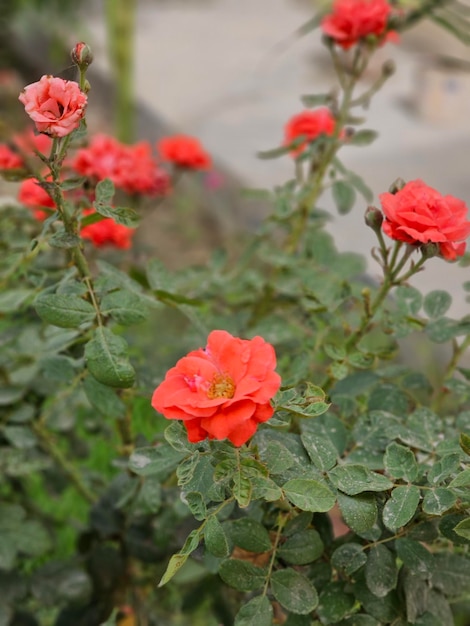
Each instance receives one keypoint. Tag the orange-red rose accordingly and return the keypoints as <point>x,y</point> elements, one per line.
<point>418,214</point>
<point>183,151</point>
<point>222,391</point>
<point>55,105</point>
<point>310,125</point>
<point>352,20</point>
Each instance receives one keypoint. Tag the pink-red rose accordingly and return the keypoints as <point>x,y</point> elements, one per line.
<point>352,20</point>
<point>309,125</point>
<point>418,214</point>
<point>32,195</point>
<point>55,105</point>
<point>184,151</point>
<point>9,160</point>
<point>222,391</point>
<point>107,233</point>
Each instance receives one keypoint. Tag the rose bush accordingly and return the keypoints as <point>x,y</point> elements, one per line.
<point>308,474</point>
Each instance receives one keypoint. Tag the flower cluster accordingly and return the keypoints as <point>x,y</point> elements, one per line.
<point>222,391</point>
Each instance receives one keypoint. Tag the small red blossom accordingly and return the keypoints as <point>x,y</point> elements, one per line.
<point>222,391</point>
<point>418,214</point>
<point>310,125</point>
<point>107,233</point>
<point>185,152</point>
<point>352,20</point>
<point>131,168</point>
<point>9,160</point>
<point>32,195</point>
<point>55,105</point>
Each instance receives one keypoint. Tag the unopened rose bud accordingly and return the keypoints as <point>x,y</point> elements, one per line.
<point>429,250</point>
<point>374,218</point>
<point>388,68</point>
<point>397,186</point>
<point>82,55</point>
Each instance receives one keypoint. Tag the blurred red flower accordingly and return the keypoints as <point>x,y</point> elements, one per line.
<point>32,195</point>
<point>9,160</point>
<point>352,20</point>
<point>310,125</point>
<point>185,152</point>
<point>55,105</point>
<point>107,233</point>
<point>221,391</point>
<point>418,214</point>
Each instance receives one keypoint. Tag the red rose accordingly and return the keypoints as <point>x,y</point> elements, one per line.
<point>107,233</point>
<point>131,168</point>
<point>310,125</point>
<point>418,214</point>
<point>55,105</point>
<point>9,160</point>
<point>352,20</point>
<point>222,391</point>
<point>32,195</point>
<point>184,151</point>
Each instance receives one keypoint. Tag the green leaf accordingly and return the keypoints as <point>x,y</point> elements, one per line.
<point>415,556</point>
<point>104,399</point>
<point>274,153</point>
<point>381,571</point>
<point>215,538</point>
<point>104,191</point>
<point>302,548</point>
<point>242,575</point>
<point>20,436</point>
<point>360,619</point>
<point>256,612</point>
<point>161,460</point>
<point>452,573</point>
<point>354,479</point>
<point>66,311</point>
<point>177,437</point>
<point>344,196</point>
<point>464,442</point>
<point>196,504</point>
<point>107,360</point>
<point>463,528</point>
<point>443,468</point>
<point>277,457</point>
<point>294,591</point>
<point>12,300</point>
<point>33,539</point>
<point>250,535</point>
<point>57,367</point>
<point>349,558</point>
<point>320,449</point>
<point>242,489</point>
<point>63,239</point>
<point>178,560</point>
<point>309,494</point>
<point>359,512</point>
<point>437,303</point>
<point>314,100</point>
<point>363,137</point>
<point>151,495</point>
<point>438,501</point>
<point>444,329</point>
<point>334,603</point>
<point>120,215</point>
<point>124,307</point>
<point>401,507</point>
<point>400,462</point>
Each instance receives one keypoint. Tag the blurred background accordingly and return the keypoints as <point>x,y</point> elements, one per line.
<point>231,73</point>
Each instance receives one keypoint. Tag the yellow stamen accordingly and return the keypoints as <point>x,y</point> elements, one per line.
<point>222,386</point>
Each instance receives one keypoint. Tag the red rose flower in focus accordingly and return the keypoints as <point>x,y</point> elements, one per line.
<point>55,105</point>
<point>107,233</point>
<point>9,160</point>
<point>183,151</point>
<point>352,20</point>
<point>32,195</point>
<point>308,124</point>
<point>221,391</point>
<point>418,214</point>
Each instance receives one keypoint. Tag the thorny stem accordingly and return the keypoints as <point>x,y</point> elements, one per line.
<point>280,525</point>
